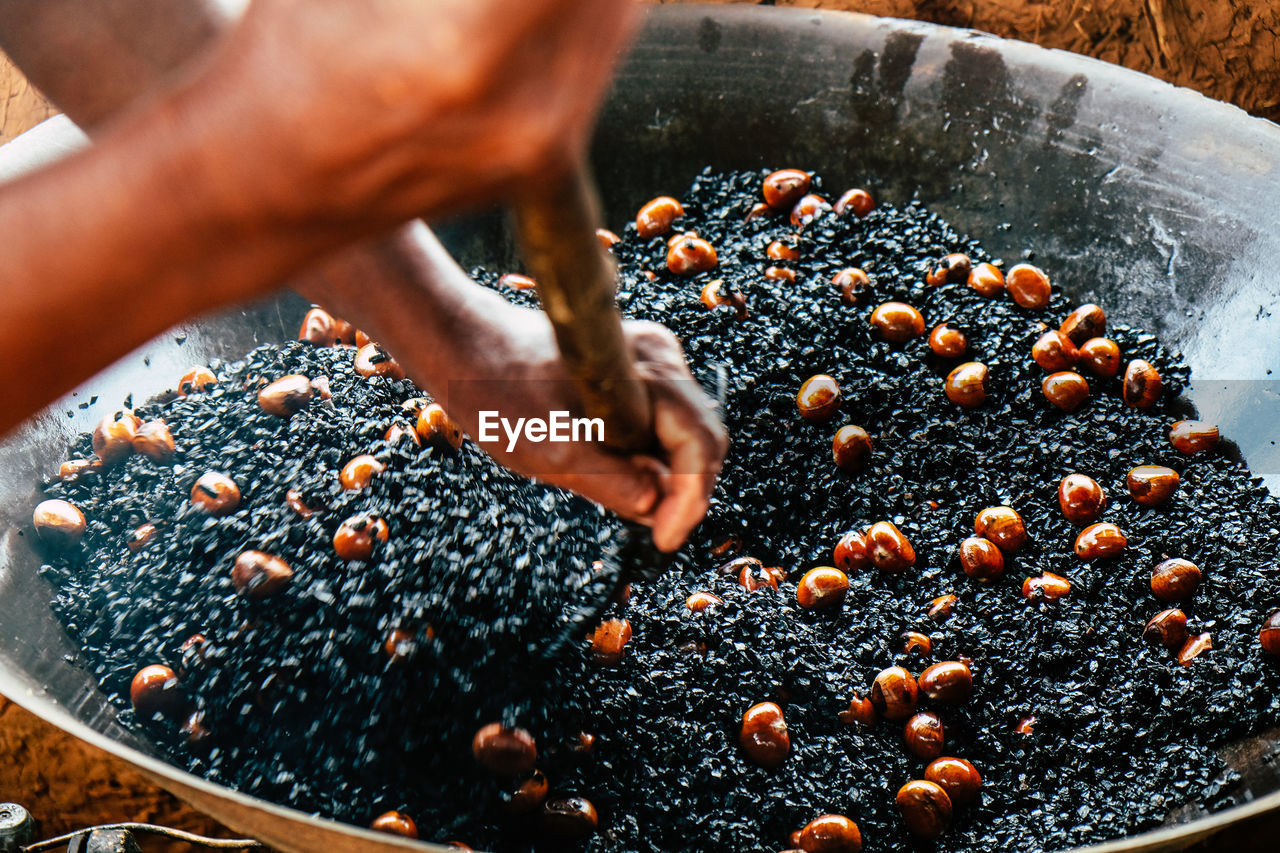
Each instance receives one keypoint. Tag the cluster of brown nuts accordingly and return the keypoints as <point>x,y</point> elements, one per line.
<point>817,401</point>
<point>121,434</point>
<point>881,546</point>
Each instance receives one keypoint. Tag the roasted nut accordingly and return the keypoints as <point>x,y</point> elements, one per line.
<point>516,281</point>
<point>755,575</point>
<point>286,396</point>
<point>373,360</point>
<point>966,386</point>
<point>822,588</point>
<point>897,322</point>
<point>914,641</point>
<point>727,546</point>
<point>1066,390</point>
<point>830,833</point>
<point>818,398</point>
<point>850,554</point>
<point>987,280</point>
<point>950,681</point>
<point>1046,587</point>
<point>153,439</point>
<point>1100,540</point>
<point>140,537</point>
<point>1086,322</point>
<point>113,436</point>
<point>860,711</point>
<point>807,209</point>
<point>193,728</point>
<point>858,201</point>
<point>257,574</point>
<point>58,523</point>
<point>855,286</point>
<point>690,254</point>
<point>785,187</point>
<point>155,690</point>
<point>734,567</point>
<point>1269,634</point>
<point>948,341</point>
<point>529,794</point>
<point>925,807</point>
<point>700,601</point>
<point>1193,648</point>
<point>1028,286</point>
<point>1054,351</point>
<point>570,818</point>
<point>957,777</point>
<point>894,693</point>
<point>436,428</point>
<point>317,328</point>
<point>293,499</point>
<point>1167,628</point>
<point>924,736</point>
<point>782,251</point>
<point>504,751</point>
<point>780,274</point>
<point>1003,526</point>
<point>1142,385</point>
<point>395,823</point>
<point>355,537</point>
<point>215,493</point>
<point>1193,436</point>
<point>399,431</point>
<point>1175,579</point>
<point>716,293</point>
<point>981,559</point>
<point>73,468</point>
<point>851,448</point>
<point>656,216</point>
<point>941,608</point>
<point>952,269</point>
<point>757,210</point>
<point>1081,498</point>
<point>359,472</point>
<point>764,735</point>
<point>609,641</point>
<point>606,238</point>
<point>1026,725</point>
<point>1152,485</point>
<point>197,380</point>
<point>1101,357</point>
<point>401,644</point>
<point>889,549</point>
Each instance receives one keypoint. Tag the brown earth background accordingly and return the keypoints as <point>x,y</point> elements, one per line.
<point>1227,49</point>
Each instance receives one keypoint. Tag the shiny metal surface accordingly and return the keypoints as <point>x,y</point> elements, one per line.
<point>1153,201</point>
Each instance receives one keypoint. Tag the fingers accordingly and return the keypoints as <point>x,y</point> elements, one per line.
<point>695,443</point>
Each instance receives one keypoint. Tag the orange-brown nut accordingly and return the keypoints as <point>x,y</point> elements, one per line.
<point>914,641</point>
<point>1065,390</point>
<point>851,448</point>
<point>950,681</point>
<point>897,322</point>
<point>355,537</point>
<point>373,360</point>
<point>948,341</point>
<point>1086,322</point>
<point>1003,526</point>
<point>855,286</point>
<point>925,807</point>
<point>822,588</point>
<point>850,553</point>
<point>155,690</point>
<point>656,217</point>
<point>1098,541</point>
<point>700,601</point>
<point>154,440</point>
<point>924,735</point>
<point>400,431</point>
<point>516,281</point>
<point>830,833</point>
<point>1269,634</point>
<point>58,523</point>
<point>569,818</point>
<point>359,472</point>
<point>215,493</point>
<point>197,380</point>
<point>895,693</point>
<point>860,711</point>
<point>818,398</point>
<point>987,280</point>
<point>941,608</point>
<point>1029,286</point>
<point>959,778</point>
<point>1167,628</point>
<point>857,201</point>
<point>113,436</point>
<point>435,428</point>
<point>609,641</point>
<point>1194,647</point>
<point>981,559</point>
<point>966,386</point>
<point>952,269</point>
<point>780,274</point>
<point>286,396</point>
<point>504,751</point>
<point>690,255</point>
<point>141,536</point>
<point>1045,587</point>
<point>73,468</point>
<point>1101,357</point>
<point>1142,385</point>
<point>529,793</point>
<point>395,823</point>
<point>780,250</point>
<point>1081,498</point>
<point>764,736</point>
<point>785,187</point>
<point>1193,436</point>
<point>807,209</point>
<point>1054,351</point>
<point>257,574</point>
<point>606,238</point>
<point>888,548</point>
<point>1152,485</point>
<point>1175,579</point>
<point>318,328</point>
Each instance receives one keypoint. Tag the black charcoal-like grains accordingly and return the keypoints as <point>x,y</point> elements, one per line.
<point>305,710</point>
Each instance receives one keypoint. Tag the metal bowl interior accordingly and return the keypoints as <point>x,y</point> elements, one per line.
<point>1151,200</point>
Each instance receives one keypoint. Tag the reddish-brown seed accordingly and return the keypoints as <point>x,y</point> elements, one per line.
<point>193,728</point>
<point>785,187</point>
<point>73,468</point>
<point>286,396</point>
<point>140,537</point>
<point>606,238</point>
<point>355,537</point>
<point>528,794</point>
<point>717,293</point>
<point>1065,390</point>
<point>807,209</point>
<point>399,431</point>
<point>609,641</point>
<point>153,439</point>
<point>1003,526</point>
<point>897,322</point>
<point>1099,541</point>
<point>850,554</point>
<point>700,601</point>
<point>504,751</point>
<point>924,735</point>
<point>764,735</point>
<point>857,201</point>
<point>860,711</point>
<point>941,608</point>
<point>889,549</point>
<point>1054,351</point>
<point>293,500</point>
<point>855,286</point>
<point>373,360</point>
<point>1142,385</point>
<point>1086,322</point>
<point>1167,628</point>
<point>1193,436</point>
<point>1152,485</point>
<point>435,428</point>
<point>822,588</point>
<point>1026,725</point>
<point>1269,634</point>
<point>925,807</point>
<point>1081,498</point>
<point>257,574</point>
<point>1028,285</point>
<point>950,681</point>
<point>818,398</point>
<point>317,328</point>
<point>690,255</point>
<point>400,645</point>
<point>895,693</point>
<point>359,472</point>
<point>981,559</point>
<point>656,217</point>
<point>1045,587</point>
<point>155,690</point>
<point>58,523</point>
<point>731,544</point>
<point>948,341</point>
<point>215,493</point>
<point>952,269</point>
<point>395,823</point>
<point>987,280</point>
<point>851,448</point>
<point>966,386</point>
<point>516,281</point>
<point>570,818</point>
<point>959,778</point>
<point>754,575</point>
<point>113,436</point>
<point>782,251</point>
<point>830,833</point>
<point>735,566</point>
<point>348,334</point>
<point>196,381</point>
<point>914,641</point>
<point>1101,357</point>
<point>1194,647</point>
<point>757,210</point>
<point>780,274</point>
<point>1175,579</point>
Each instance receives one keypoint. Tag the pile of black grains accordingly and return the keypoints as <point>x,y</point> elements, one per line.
<point>304,708</point>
